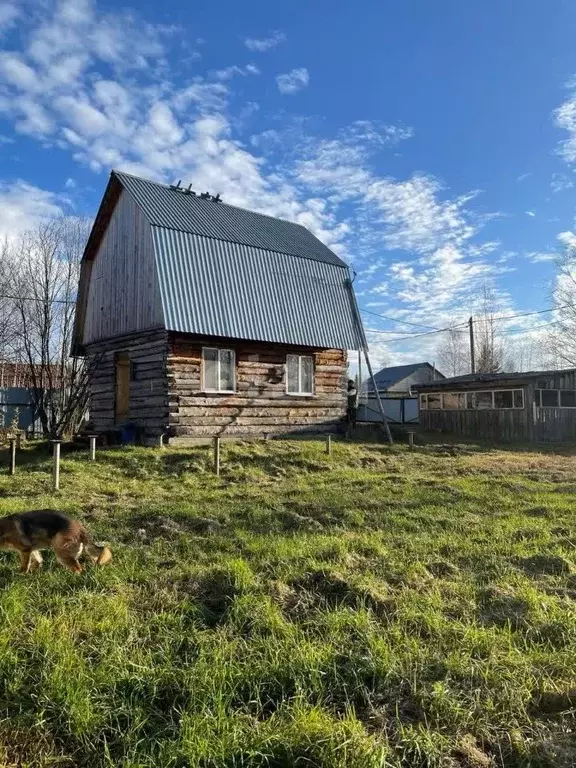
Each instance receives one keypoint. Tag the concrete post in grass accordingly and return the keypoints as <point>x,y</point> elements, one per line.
<point>216,455</point>
<point>92,439</point>
<point>328,444</point>
<point>56,464</point>
<point>12,455</point>
<point>411,440</point>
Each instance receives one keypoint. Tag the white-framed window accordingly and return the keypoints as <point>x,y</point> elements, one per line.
<point>299,374</point>
<point>485,400</point>
<point>218,370</point>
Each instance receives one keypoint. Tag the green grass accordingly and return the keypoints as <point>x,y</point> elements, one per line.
<point>374,607</point>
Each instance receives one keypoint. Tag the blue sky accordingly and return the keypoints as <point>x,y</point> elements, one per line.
<point>431,144</point>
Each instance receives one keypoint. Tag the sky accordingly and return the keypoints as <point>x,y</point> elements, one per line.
<point>431,144</point>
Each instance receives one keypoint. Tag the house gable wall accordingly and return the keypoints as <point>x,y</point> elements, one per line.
<point>123,290</point>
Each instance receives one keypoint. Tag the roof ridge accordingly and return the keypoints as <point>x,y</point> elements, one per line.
<point>228,205</point>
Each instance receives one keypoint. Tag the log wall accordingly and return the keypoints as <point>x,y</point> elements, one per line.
<point>260,404</point>
<point>148,398</point>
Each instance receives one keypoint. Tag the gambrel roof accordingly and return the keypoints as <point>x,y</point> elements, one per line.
<point>227,272</point>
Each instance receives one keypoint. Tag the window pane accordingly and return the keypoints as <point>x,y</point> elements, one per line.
<point>210,357</point>
<point>423,402</point>
<point>434,401</point>
<point>549,398</point>
<point>484,400</point>
<point>503,399</point>
<point>450,402</point>
<point>227,370</point>
<point>518,398</point>
<point>537,398</point>
<point>567,398</point>
<point>470,400</point>
<point>461,401</point>
<point>293,375</point>
<point>307,375</point>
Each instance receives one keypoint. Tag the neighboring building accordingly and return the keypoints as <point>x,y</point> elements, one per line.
<point>536,406</point>
<point>206,319</point>
<point>396,394</point>
<point>398,380</point>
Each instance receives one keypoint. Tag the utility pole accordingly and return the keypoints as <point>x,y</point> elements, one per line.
<point>472,359</point>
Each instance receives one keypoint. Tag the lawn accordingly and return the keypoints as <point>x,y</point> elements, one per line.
<point>375,607</point>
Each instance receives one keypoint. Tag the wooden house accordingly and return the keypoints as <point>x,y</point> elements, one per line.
<point>205,319</point>
<point>534,406</point>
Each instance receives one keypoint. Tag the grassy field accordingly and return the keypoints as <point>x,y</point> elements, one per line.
<point>374,607</point>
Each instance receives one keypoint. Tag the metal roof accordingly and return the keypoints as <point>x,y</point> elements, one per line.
<point>167,207</point>
<point>237,291</point>
<point>487,378</point>
<point>387,377</point>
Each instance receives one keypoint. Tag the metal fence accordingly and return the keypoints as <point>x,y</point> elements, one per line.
<point>398,410</point>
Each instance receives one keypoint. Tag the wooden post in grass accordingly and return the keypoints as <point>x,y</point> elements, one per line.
<point>216,455</point>
<point>56,464</point>
<point>328,444</point>
<point>12,455</point>
<point>411,440</point>
<point>92,439</point>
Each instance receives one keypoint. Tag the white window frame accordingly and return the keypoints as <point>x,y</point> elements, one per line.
<point>300,393</point>
<point>473,393</point>
<point>219,351</point>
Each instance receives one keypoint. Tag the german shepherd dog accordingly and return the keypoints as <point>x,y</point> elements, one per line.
<point>29,532</point>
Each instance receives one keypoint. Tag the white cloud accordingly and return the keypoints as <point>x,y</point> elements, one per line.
<point>9,13</point>
<point>23,206</point>
<point>524,176</point>
<point>70,184</point>
<point>567,239</point>
<point>265,43</point>
<point>541,256</point>
<point>565,118</point>
<point>530,213</point>
<point>560,182</point>
<point>293,81</point>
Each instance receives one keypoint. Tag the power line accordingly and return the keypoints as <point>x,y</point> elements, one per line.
<point>394,320</point>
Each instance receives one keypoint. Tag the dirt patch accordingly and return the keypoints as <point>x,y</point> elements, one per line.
<point>442,569</point>
<point>553,702</point>
<point>551,565</point>
<point>500,607</point>
<point>329,590</point>
<point>537,512</point>
<point>469,754</point>
<point>293,521</point>
<point>150,527</point>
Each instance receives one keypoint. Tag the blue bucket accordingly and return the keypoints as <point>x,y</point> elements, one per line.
<point>128,435</point>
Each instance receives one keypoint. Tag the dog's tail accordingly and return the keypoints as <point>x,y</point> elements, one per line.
<point>100,555</point>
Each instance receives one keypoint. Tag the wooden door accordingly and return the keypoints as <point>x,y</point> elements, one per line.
<point>122,386</point>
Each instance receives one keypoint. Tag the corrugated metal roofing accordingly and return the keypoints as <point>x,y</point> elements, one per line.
<point>387,377</point>
<point>486,378</point>
<point>170,208</point>
<point>234,290</point>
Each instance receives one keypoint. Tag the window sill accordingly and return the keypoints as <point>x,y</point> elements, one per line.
<point>217,392</point>
<point>300,394</point>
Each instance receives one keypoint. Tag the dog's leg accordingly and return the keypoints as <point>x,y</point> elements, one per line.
<point>67,553</point>
<point>36,560</point>
<point>25,558</point>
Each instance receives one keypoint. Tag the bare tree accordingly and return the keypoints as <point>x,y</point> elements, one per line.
<point>561,339</point>
<point>489,346</point>
<point>453,352</point>
<point>48,260</point>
